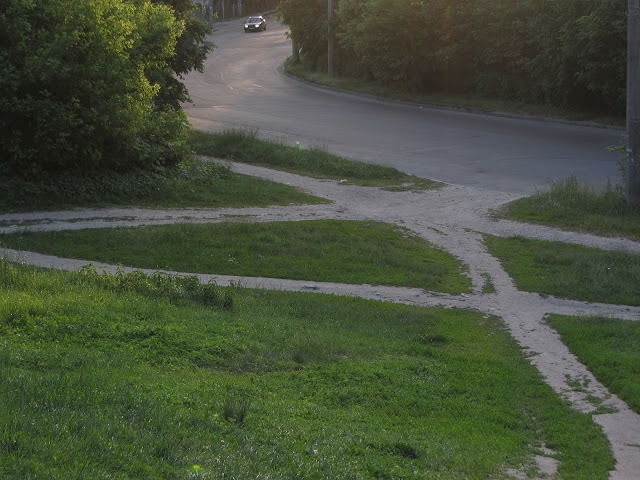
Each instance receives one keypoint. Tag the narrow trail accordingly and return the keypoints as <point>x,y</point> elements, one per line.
<point>452,218</point>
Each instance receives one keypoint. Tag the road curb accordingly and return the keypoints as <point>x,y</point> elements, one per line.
<point>435,106</point>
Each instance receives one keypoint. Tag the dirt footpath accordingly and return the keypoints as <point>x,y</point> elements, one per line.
<point>452,218</point>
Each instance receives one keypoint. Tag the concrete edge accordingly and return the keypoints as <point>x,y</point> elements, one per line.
<point>435,106</point>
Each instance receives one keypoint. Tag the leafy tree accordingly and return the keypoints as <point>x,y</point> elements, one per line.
<point>561,52</point>
<point>406,28</point>
<point>73,89</point>
<point>191,50</point>
<point>307,20</point>
<point>600,50</point>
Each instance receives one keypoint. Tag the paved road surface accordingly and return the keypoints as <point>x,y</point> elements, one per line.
<point>243,85</point>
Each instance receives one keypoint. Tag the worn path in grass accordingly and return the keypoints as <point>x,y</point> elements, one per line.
<point>452,218</point>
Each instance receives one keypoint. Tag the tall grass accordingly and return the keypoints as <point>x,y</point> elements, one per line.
<point>570,204</point>
<point>101,383</point>
<point>243,145</point>
<point>610,350</point>
<point>192,184</point>
<point>571,271</point>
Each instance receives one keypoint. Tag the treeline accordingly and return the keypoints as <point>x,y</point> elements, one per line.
<point>255,6</point>
<point>94,85</point>
<point>557,52</point>
<point>224,9</point>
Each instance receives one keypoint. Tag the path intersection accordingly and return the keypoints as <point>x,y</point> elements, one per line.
<point>452,218</point>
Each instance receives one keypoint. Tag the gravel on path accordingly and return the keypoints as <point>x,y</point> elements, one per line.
<point>452,218</point>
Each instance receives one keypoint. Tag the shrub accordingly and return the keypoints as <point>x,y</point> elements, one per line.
<point>74,94</point>
<point>558,52</point>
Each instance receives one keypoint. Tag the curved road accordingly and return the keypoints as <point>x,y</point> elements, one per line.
<point>243,85</point>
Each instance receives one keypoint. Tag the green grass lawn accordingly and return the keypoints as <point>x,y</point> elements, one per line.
<point>569,205</point>
<point>570,271</point>
<point>609,348</point>
<point>323,250</point>
<point>242,145</point>
<point>107,377</point>
<point>195,184</point>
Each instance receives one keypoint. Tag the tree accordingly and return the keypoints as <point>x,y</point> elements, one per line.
<point>308,22</point>
<point>73,89</point>
<point>191,50</point>
<point>557,52</point>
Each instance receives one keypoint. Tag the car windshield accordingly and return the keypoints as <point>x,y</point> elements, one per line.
<point>254,20</point>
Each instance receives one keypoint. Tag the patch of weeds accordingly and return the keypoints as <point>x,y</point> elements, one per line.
<point>488,286</point>
<point>582,385</point>
<point>433,340</point>
<point>401,449</point>
<point>236,407</point>
<point>174,287</point>
<point>194,183</point>
<point>601,408</point>
<point>568,270</point>
<point>609,349</point>
<point>579,385</point>
<point>571,205</point>
<point>307,350</point>
<point>243,145</point>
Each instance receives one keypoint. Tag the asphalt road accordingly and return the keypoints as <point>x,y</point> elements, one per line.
<point>243,85</point>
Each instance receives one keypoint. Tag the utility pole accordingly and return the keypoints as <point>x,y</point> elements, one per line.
<point>632,187</point>
<point>330,38</point>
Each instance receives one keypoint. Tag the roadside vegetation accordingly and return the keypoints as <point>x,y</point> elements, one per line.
<point>198,183</point>
<point>90,87</point>
<point>192,184</point>
<point>322,250</point>
<point>568,204</point>
<point>567,270</point>
<point>566,55</point>
<point>142,384</point>
<point>243,145</point>
<point>469,102</point>
<point>159,376</point>
<point>609,349</point>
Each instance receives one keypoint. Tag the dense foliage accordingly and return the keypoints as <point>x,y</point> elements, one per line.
<point>190,52</point>
<point>89,85</point>
<point>254,6</point>
<point>559,52</point>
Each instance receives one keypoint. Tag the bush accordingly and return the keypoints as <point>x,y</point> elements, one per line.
<point>74,94</point>
<point>558,52</point>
